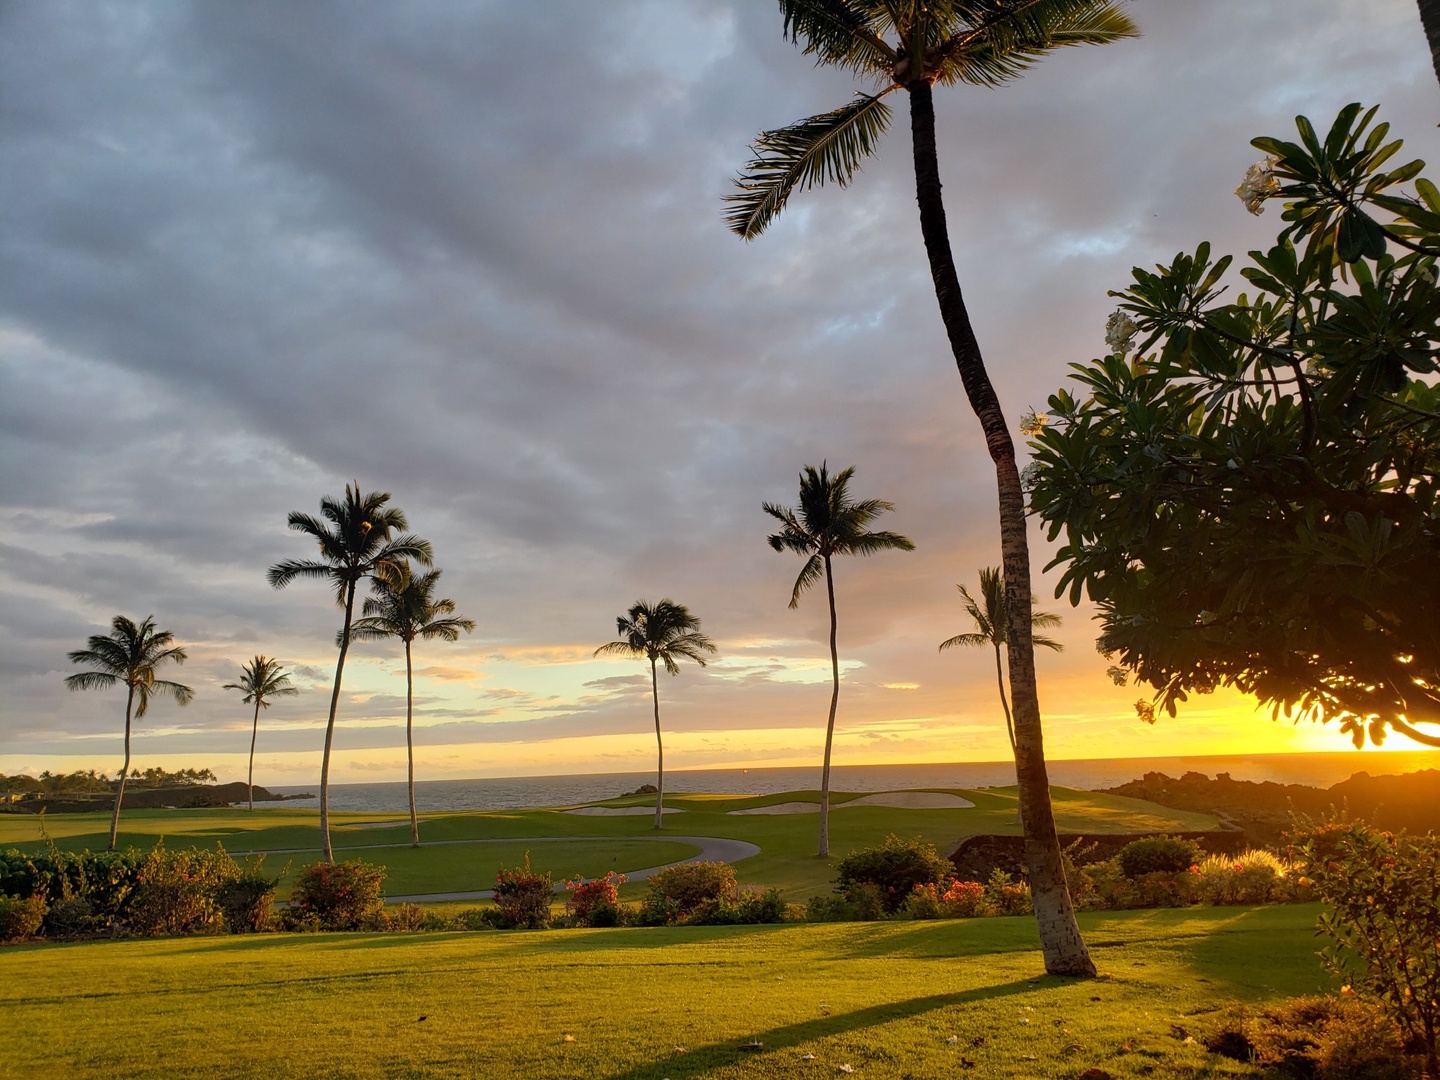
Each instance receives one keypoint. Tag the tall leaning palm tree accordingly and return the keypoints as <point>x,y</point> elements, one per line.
<point>260,680</point>
<point>663,633</point>
<point>356,541</point>
<point>992,628</point>
<point>129,654</point>
<point>1430,21</point>
<point>402,605</point>
<point>911,45</point>
<point>829,523</point>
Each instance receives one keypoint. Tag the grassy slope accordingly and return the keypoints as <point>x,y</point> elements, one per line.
<point>788,842</point>
<point>647,1004</point>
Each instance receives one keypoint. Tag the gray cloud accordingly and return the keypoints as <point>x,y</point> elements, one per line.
<point>253,251</point>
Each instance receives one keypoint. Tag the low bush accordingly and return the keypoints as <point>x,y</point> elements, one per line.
<point>829,909</point>
<point>1383,893</point>
<point>406,917</point>
<point>678,890</point>
<point>487,918</point>
<point>337,896</point>
<point>20,918</point>
<point>523,897</point>
<point>176,892</point>
<point>1006,897</point>
<point>1320,1038</point>
<point>747,907</point>
<point>247,903</point>
<point>894,869</point>
<point>1157,854</point>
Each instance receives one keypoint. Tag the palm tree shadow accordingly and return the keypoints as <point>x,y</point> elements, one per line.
<point>702,1059</point>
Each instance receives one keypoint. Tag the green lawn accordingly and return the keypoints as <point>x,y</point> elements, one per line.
<point>644,1004</point>
<point>787,859</point>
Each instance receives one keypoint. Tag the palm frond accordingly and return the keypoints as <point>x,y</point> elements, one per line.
<point>282,573</point>
<point>90,680</point>
<point>1046,643</point>
<point>837,32</point>
<point>810,573</point>
<point>1006,40</point>
<point>870,543</point>
<point>619,648</point>
<point>825,148</point>
<point>965,641</point>
<point>447,629</point>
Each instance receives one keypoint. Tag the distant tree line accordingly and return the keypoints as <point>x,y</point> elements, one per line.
<point>89,781</point>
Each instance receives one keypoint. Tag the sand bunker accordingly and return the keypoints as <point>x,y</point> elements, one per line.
<point>619,811</point>
<point>899,800</point>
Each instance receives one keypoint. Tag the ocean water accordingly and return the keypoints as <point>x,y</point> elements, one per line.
<point>506,793</point>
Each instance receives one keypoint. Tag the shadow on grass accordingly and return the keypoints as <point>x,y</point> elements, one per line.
<point>717,1055</point>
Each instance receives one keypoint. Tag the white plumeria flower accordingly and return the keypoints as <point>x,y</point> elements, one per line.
<point>1259,184</point>
<point>1120,331</point>
<point>1033,423</point>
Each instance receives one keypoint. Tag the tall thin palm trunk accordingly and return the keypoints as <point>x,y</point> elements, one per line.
<point>659,752</point>
<point>1064,949</point>
<point>830,725</point>
<point>1004,699</point>
<point>410,743</point>
<point>330,725</point>
<point>1430,20</point>
<point>124,772</point>
<point>254,731</point>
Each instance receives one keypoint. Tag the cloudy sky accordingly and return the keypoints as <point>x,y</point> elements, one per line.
<point>472,254</point>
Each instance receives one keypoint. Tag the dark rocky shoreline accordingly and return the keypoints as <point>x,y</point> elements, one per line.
<point>189,797</point>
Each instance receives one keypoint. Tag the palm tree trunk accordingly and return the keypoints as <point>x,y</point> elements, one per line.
<point>830,725</point>
<point>330,725</point>
<point>254,731</point>
<point>1430,20</point>
<point>1004,700</point>
<point>124,771</point>
<point>1060,940</point>
<point>659,752</point>
<point>410,743</point>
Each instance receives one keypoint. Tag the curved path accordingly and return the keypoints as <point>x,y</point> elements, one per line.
<point>712,849</point>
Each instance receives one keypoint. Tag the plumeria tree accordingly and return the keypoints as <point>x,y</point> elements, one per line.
<point>663,633</point>
<point>827,523</point>
<point>992,625</point>
<point>403,605</point>
<point>356,539</point>
<point>909,46</point>
<point>261,680</point>
<point>130,656</point>
<point>1247,485</point>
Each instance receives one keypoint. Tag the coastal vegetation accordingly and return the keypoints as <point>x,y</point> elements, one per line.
<point>912,47</point>
<point>261,680</point>
<point>404,606</point>
<point>357,543</point>
<point>129,655</point>
<point>992,627</point>
<point>665,633</point>
<point>828,522</point>
<point>1269,461</point>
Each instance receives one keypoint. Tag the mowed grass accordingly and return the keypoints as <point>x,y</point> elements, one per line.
<point>787,860</point>
<point>644,1004</point>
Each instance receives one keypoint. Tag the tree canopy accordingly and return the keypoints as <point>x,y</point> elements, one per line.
<point>1247,487</point>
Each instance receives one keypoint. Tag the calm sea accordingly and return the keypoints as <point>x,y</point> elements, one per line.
<point>1319,770</point>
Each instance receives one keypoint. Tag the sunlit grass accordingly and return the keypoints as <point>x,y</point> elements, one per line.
<point>645,1004</point>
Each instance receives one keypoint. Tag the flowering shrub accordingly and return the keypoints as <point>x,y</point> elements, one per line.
<point>523,896</point>
<point>963,900</point>
<point>596,902</point>
<point>746,907</point>
<point>1384,918</point>
<point>87,892</point>
<point>894,868</point>
<point>923,902</point>
<point>1005,897</point>
<point>337,896</point>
